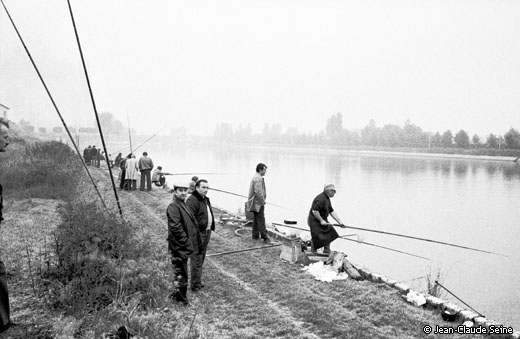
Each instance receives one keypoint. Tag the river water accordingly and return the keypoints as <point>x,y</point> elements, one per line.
<point>472,203</point>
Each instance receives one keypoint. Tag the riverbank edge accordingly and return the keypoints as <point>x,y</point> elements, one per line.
<point>432,303</point>
<point>398,154</point>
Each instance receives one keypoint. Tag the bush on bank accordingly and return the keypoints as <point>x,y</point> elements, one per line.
<point>96,260</point>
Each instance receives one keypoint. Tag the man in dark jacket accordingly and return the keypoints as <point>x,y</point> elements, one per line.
<point>183,240</point>
<point>5,321</point>
<point>322,232</point>
<point>200,206</point>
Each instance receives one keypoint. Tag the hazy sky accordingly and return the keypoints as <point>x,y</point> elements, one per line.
<point>443,64</point>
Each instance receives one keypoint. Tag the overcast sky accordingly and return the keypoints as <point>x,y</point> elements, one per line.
<point>443,64</point>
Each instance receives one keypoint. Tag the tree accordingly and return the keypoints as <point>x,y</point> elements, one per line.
<point>436,140</point>
<point>334,128</point>
<point>57,130</point>
<point>462,139</point>
<point>475,141</point>
<point>391,135</point>
<point>492,141</point>
<point>447,139</point>
<point>414,135</point>
<point>370,134</point>
<point>512,139</point>
<point>111,125</point>
<point>42,130</point>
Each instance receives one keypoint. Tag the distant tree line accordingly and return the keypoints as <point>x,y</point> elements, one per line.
<point>390,135</point>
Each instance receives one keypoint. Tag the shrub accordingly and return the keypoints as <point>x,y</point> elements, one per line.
<point>40,170</point>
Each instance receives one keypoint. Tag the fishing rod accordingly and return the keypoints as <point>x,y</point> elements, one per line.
<point>386,248</point>
<point>416,238</point>
<point>243,196</point>
<point>306,230</point>
<point>474,310</point>
<point>144,142</point>
<point>55,106</point>
<point>243,250</point>
<point>198,173</point>
<point>345,237</point>
<point>129,135</point>
<point>95,108</point>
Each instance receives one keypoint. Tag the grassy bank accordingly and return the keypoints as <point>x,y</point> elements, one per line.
<point>78,271</point>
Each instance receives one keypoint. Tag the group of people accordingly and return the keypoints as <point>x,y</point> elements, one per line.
<point>92,155</point>
<point>191,220</point>
<point>131,169</point>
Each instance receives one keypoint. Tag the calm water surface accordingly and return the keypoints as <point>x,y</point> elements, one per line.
<point>472,203</point>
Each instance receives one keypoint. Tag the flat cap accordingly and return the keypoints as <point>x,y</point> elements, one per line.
<point>329,187</point>
<point>181,185</point>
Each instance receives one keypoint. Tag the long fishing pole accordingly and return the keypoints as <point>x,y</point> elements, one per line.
<point>198,173</point>
<point>386,248</point>
<point>243,196</point>
<point>417,238</point>
<point>144,142</point>
<point>129,135</point>
<point>462,301</point>
<point>345,237</point>
<point>243,250</point>
<point>95,109</point>
<point>55,106</point>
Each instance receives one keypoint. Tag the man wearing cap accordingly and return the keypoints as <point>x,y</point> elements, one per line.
<point>5,322</point>
<point>184,240</point>
<point>145,167</point>
<point>200,206</point>
<point>256,203</point>
<point>322,232</point>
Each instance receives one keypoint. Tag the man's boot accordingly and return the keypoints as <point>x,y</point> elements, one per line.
<point>181,295</point>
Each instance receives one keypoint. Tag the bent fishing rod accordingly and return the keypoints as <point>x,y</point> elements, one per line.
<point>95,108</point>
<point>345,237</point>
<point>55,106</point>
<point>242,196</point>
<point>417,238</point>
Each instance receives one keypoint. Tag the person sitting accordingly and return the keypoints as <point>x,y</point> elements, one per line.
<point>158,177</point>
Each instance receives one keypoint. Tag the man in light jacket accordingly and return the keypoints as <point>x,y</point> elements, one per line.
<point>200,206</point>
<point>256,203</point>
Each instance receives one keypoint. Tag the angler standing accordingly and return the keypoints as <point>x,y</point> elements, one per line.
<point>200,206</point>
<point>184,240</point>
<point>5,322</point>
<point>132,172</point>
<point>322,232</point>
<point>256,203</point>
<point>146,166</point>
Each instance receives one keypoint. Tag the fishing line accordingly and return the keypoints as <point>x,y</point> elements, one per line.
<point>417,238</point>
<point>345,237</point>
<point>95,109</point>
<point>462,301</point>
<point>243,250</point>
<point>55,106</point>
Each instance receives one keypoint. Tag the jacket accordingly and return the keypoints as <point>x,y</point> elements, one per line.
<point>257,194</point>
<point>145,163</point>
<point>199,207</point>
<point>183,231</point>
<point>131,169</point>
